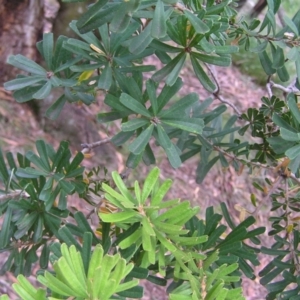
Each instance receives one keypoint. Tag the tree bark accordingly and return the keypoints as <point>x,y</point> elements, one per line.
<point>22,23</point>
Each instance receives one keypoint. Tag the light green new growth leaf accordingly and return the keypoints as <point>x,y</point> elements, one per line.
<point>95,261</point>
<point>24,288</point>
<point>149,183</point>
<point>127,285</point>
<point>148,245</point>
<point>167,244</point>
<point>124,216</point>
<point>210,259</point>
<point>169,228</point>
<point>56,285</point>
<point>119,200</point>
<point>214,291</point>
<point>147,227</point>
<point>175,211</point>
<point>159,195</point>
<point>104,289</point>
<point>185,216</point>
<point>225,270</point>
<point>22,292</point>
<point>78,266</point>
<point>122,188</point>
<point>132,239</point>
<point>190,241</point>
<point>118,273</point>
<point>137,191</point>
<point>67,275</point>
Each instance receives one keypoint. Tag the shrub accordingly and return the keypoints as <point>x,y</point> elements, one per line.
<point>140,235</point>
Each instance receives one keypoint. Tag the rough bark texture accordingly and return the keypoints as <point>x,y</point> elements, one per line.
<point>21,24</point>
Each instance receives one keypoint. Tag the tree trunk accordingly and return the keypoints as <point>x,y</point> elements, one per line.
<point>22,23</point>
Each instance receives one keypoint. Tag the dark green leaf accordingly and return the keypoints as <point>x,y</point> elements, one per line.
<point>122,137</point>
<point>139,144</point>
<point>291,25</point>
<point>167,93</point>
<point>178,109</point>
<point>278,61</point>
<point>266,63</point>
<point>173,75</point>
<point>188,124</point>
<point>203,169</point>
<point>151,91</point>
<point>212,59</point>
<point>88,17</point>
<point>140,42</point>
<point>158,26</point>
<point>105,79</point>
<point>166,70</point>
<point>44,91</point>
<point>169,148</point>
<point>202,76</point>
<point>21,62</point>
<point>48,48</point>
<point>20,83</point>
<point>55,109</point>
<point>199,25</point>
<point>134,105</point>
<point>134,124</point>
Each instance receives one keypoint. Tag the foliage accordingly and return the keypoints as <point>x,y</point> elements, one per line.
<point>141,235</point>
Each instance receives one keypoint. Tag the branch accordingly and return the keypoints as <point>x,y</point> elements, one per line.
<point>289,89</point>
<point>88,147</point>
<point>217,91</point>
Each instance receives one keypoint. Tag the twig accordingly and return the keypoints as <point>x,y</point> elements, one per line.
<point>88,147</point>
<point>271,191</point>
<point>14,195</point>
<point>269,87</point>
<point>214,76</point>
<point>289,89</point>
<point>217,91</point>
<point>219,97</point>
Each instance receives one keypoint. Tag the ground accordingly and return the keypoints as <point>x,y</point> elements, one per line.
<point>20,127</point>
